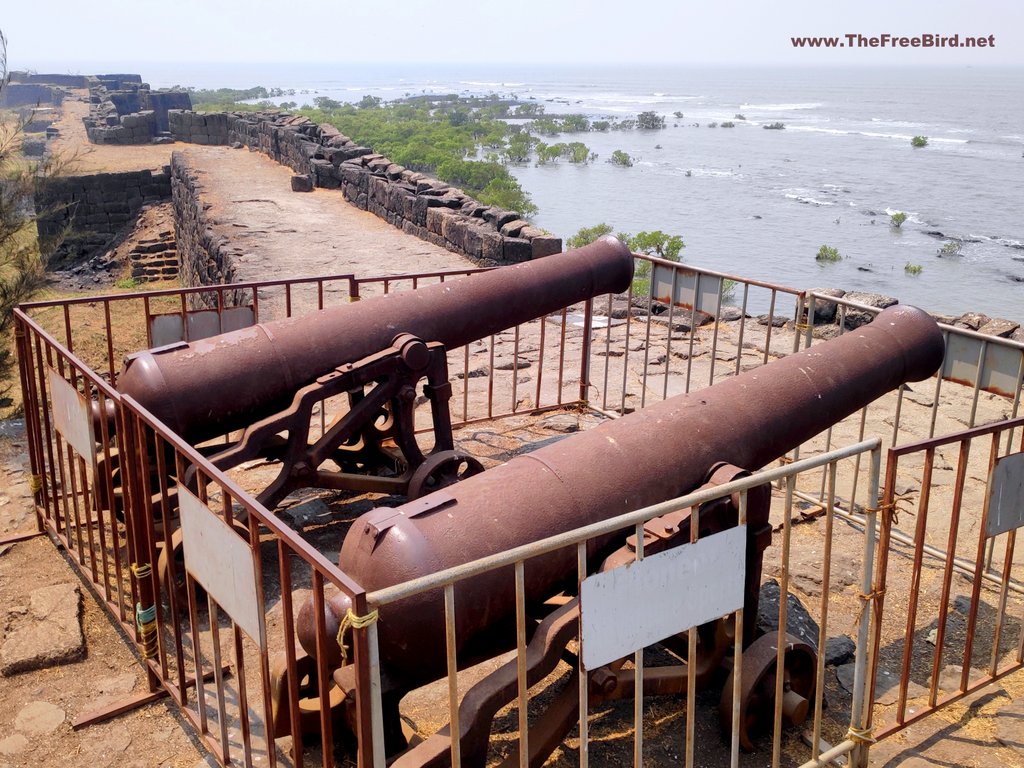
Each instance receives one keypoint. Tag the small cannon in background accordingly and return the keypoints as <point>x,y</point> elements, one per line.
<point>655,454</point>
<point>269,378</point>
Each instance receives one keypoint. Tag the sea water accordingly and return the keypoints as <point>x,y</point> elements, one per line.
<point>754,202</point>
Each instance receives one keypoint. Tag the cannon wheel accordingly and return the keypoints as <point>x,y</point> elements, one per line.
<point>309,697</point>
<point>440,470</point>
<point>757,687</point>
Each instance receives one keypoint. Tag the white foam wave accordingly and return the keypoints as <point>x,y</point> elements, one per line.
<point>716,173</point>
<point>911,216</point>
<point>808,200</point>
<point>781,107</point>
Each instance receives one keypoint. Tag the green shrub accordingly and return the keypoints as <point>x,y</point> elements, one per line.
<point>919,141</point>
<point>951,248</point>
<point>774,126</point>
<point>828,254</point>
<point>127,283</point>
<point>587,235</point>
<point>621,158</point>
<point>913,269</point>
<point>897,219</point>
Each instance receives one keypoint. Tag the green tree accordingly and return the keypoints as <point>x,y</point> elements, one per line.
<point>22,256</point>
<point>505,192</point>
<point>657,243</point>
<point>621,158</point>
<point>369,102</point>
<point>575,124</point>
<point>529,110</point>
<point>650,121</point>
<point>587,235</point>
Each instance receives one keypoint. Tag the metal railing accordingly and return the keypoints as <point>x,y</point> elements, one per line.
<point>107,478</point>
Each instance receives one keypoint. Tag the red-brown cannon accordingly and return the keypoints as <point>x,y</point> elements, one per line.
<point>655,454</point>
<point>270,378</point>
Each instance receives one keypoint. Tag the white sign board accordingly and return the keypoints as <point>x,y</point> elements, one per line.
<point>219,559</point>
<point>1006,495</point>
<point>1000,365</point>
<point>71,416</point>
<point>631,607</point>
<point>685,288</point>
<point>202,324</point>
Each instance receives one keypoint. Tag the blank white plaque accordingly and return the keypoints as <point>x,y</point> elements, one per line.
<point>638,604</point>
<point>1006,495</point>
<point>219,559</point>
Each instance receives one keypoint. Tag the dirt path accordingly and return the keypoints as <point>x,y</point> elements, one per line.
<point>290,234</point>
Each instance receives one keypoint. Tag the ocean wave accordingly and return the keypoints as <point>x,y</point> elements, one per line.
<point>781,107</point>
<point>912,217</point>
<point>908,137</point>
<point>807,199</point>
<point>715,173</point>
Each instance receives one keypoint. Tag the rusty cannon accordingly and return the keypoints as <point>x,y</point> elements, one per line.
<point>269,379</point>
<point>658,453</point>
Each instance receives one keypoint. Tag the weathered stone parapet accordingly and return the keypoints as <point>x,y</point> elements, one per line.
<point>204,257</point>
<point>123,110</point>
<point>89,211</point>
<point>408,200</point>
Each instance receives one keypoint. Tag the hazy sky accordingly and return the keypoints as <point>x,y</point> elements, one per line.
<point>69,35</point>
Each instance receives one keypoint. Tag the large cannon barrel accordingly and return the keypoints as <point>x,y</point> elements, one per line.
<point>226,382</point>
<point>652,455</point>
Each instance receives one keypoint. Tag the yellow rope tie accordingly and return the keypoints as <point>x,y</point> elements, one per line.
<point>355,622</point>
<point>803,326</point>
<point>872,595</point>
<point>861,735</point>
<point>36,483</point>
<point>143,571</point>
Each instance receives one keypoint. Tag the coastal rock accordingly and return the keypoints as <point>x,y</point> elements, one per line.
<point>825,311</point>
<point>776,321</point>
<point>999,327</point>
<point>855,318</point>
<point>972,320</point>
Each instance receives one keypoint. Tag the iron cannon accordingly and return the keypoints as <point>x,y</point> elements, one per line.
<point>271,378</point>
<point>655,454</point>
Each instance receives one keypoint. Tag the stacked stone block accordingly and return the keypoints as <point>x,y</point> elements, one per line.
<point>88,211</point>
<point>411,201</point>
<point>154,258</point>
<point>204,257</point>
<point>123,110</point>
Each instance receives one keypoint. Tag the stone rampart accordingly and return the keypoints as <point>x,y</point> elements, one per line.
<point>89,211</point>
<point>411,201</point>
<point>123,110</point>
<point>204,257</point>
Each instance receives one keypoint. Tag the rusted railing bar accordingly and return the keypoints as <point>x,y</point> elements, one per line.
<point>584,533</point>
